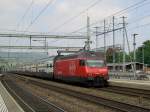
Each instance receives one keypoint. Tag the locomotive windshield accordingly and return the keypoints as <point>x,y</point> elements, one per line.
<point>92,63</point>
<point>95,63</point>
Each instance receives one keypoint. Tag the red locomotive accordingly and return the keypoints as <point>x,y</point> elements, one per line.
<point>86,67</point>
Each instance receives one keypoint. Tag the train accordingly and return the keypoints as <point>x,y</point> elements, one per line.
<point>86,67</point>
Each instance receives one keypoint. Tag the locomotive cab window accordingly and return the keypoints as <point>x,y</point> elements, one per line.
<point>95,63</point>
<point>51,66</point>
<point>82,63</point>
<point>47,65</point>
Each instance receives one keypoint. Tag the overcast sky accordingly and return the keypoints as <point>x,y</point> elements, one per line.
<point>51,20</point>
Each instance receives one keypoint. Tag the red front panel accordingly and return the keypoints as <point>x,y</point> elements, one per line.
<point>97,71</point>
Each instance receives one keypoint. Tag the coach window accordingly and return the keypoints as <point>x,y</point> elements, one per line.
<point>47,65</point>
<point>50,65</point>
<point>82,62</point>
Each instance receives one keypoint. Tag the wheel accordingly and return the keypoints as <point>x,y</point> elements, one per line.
<point>106,84</point>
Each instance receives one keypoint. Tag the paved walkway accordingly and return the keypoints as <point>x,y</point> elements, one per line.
<point>138,84</point>
<point>3,107</point>
<point>7,103</point>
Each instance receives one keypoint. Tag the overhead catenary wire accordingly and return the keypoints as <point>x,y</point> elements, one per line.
<point>76,16</point>
<point>130,8</point>
<point>111,15</point>
<point>133,6</point>
<point>40,13</point>
<point>118,12</point>
<point>139,26</point>
<point>25,13</point>
<point>138,20</point>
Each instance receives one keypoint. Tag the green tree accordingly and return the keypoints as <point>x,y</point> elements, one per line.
<point>118,57</point>
<point>139,53</point>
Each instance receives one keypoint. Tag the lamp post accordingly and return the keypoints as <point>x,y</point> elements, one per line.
<point>143,55</point>
<point>146,67</point>
<point>96,28</point>
<point>134,57</point>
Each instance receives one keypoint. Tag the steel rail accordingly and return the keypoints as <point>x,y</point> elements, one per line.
<point>53,108</point>
<point>13,93</point>
<point>127,91</point>
<point>124,107</point>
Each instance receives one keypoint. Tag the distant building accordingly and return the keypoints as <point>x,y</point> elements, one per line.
<point>128,66</point>
<point>147,69</point>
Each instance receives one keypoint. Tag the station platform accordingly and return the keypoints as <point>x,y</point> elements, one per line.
<point>137,84</point>
<point>7,102</point>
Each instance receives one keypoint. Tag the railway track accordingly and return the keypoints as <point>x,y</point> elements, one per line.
<point>119,106</point>
<point>128,91</point>
<point>28,101</point>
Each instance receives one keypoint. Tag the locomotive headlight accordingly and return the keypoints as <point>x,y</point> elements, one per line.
<point>90,78</point>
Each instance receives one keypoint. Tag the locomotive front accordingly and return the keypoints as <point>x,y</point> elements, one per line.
<point>95,71</point>
<point>94,68</point>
